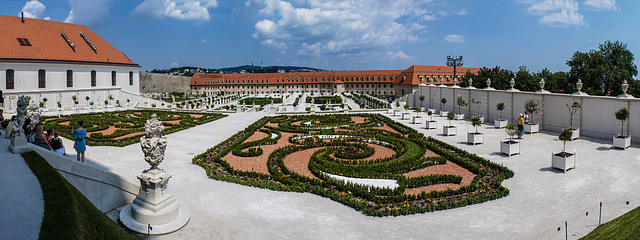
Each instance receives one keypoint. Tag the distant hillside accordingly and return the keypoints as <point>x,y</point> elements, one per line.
<point>189,71</point>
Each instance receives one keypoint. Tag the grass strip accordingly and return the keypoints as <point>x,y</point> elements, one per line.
<point>626,226</point>
<point>67,213</point>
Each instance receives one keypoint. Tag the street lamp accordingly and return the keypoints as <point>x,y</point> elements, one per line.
<point>454,61</point>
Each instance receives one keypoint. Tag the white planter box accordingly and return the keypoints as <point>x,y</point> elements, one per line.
<point>531,128</point>
<point>128,107</point>
<point>475,138</point>
<point>77,110</point>
<point>431,124</point>
<point>576,133</point>
<point>621,142</point>
<point>481,119</point>
<point>449,130</point>
<point>44,109</point>
<point>92,110</point>
<point>443,113</point>
<point>99,106</point>
<point>433,110</point>
<point>416,119</point>
<point>406,116</point>
<point>390,111</point>
<point>61,110</point>
<point>397,112</point>
<point>500,123</point>
<point>459,116</point>
<point>563,162</point>
<point>118,108</point>
<point>510,147</point>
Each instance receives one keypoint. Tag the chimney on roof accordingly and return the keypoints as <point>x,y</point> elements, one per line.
<point>22,20</point>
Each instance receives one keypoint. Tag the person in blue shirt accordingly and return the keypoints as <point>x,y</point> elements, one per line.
<point>80,145</point>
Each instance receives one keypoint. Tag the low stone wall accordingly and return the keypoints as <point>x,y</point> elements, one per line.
<point>104,189</point>
<point>596,118</point>
<point>160,83</point>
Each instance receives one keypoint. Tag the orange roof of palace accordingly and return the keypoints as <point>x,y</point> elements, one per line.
<point>35,40</point>
<point>409,76</point>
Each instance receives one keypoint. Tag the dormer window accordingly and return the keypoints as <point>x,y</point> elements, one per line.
<point>23,42</point>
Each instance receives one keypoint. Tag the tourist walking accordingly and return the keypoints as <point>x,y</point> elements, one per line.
<point>520,121</point>
<point>56,144</point>
<point>79,134</point>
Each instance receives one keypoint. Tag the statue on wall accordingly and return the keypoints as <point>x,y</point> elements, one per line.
<point>153,143</point>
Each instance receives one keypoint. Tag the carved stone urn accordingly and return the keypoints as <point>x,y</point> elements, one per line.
<point>155,210</point>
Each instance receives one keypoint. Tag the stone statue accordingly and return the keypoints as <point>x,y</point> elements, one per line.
<point>34,113</point>
<point>153,143</point>
<point>21,109</point>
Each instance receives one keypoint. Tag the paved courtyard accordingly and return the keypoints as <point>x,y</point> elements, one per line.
<point>540,202</point>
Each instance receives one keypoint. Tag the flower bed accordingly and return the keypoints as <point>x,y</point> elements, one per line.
<point>431,174</point>
<point>124,127</point>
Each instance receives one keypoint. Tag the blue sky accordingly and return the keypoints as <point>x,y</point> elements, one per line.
<point>348,35</point>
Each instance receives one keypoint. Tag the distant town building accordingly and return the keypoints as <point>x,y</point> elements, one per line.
<point>374,82</point>
<point>55,60</point>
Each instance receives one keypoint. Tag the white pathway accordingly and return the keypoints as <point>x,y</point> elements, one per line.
<point>21,202</point>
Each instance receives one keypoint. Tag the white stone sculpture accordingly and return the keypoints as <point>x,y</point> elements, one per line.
<point>154,211</point>
<point>18,140</point>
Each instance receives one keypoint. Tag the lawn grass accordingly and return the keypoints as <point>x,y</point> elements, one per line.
<point>67,213</point>
<point>626,226</point>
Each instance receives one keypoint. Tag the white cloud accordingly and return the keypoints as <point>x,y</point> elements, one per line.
<point>90,13</point>
<point>599,5</point>
<point>340,28</point>
<point>203,40</point>
<point>399,55</point>
<point>33,9</point>
<point>175,64</point>
<point>558,13</point>
<point>179,9</point>
<point>463,12</point>
<point>47,18</point>
<point>454,38</point>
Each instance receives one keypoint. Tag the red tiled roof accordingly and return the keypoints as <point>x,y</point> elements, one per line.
<point>48,45</point>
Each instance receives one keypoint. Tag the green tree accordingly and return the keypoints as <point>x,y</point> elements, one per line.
<point>525,81</point>
<point>603,70</point>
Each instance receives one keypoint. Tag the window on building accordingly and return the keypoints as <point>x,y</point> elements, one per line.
<point>69,78</point>
<point>113,78</point>
<point>130,78</point>
<point>93,78</point>
<point>10,79</point>
<point>42,80</point>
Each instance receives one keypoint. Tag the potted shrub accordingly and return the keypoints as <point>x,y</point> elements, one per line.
<point>389,110</point>
<point>45,108</point>
<point>564,160</point>
<point>443,111</point>
<point>421,98</point>
<point>118,106</point>
<point>88,106</point>
<point>397,110</point>
<point>431,124</point>
<point>449,130</point>
<point>106,105</point>
<point>478,105</point>
<point>406,115</point>
<point>110,97</point>
<point>74,98</point>
<point>500,122</point>
<point>461,104</point>
<point>475,137</point>
<point>573,108</point>
<point>60,108</point>
<point>622,141</point>
<point>532,106</point>
<point>510,147</point>
<point>128,106</point>
<point>416,119</point>
<point>91,107</point>
<point>431,106</point>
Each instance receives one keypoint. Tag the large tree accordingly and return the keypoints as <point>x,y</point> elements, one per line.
<point>603,70</point>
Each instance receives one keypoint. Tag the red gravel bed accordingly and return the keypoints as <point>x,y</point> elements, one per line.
<point>448,168</point>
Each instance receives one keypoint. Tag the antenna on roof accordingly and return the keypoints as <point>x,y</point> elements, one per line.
<point>22,19</point>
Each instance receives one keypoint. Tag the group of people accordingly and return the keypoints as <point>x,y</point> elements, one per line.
<point>521,120</point>
<point>35,133</point>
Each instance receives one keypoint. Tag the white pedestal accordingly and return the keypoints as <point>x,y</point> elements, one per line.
<point>500,123</point>
<point>459,116</point>
<point>416,119</point>
<point>563,162</point>
<point>510,147</point>
<point>449,130</point>
<point>474,138</point>
<point>621,142</point>
<point>531,128</point>
<point>431,124</point>
<point>19,144</point>
<point>154,206</point>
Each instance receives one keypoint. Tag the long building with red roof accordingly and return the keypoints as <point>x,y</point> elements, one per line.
<point>374,82</point>
<point>56,60</point>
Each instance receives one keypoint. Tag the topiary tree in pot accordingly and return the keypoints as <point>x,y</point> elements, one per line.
<point>622,141</point>
<point>564,160</point>
<point>443,101</point>
<point>421,98</point>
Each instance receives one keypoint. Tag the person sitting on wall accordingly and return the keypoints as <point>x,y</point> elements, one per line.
<point>3,122</point>
<point>28,130</point>
<point>56,144</point>
<point>38,137</point>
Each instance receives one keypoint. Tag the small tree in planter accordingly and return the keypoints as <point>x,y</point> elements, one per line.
<point>59,105</point>
<point>475,137</point>
<point>421,98</point>
<point>41,104</point>
<point>75,100</point>
<point>431,124</point>
<point>406,110</point>
<point>573,108</point>
<point>87,98</point>
<point>417,119</point>
<point>449,129</point>
<point>110,97</point>
<point>622,141</point>
<point>45,104</point>
<point>478,105</point>
<point>564,160</point>
<point>501,122</point>
<point>533,106</point>
<point>462,103</point>
<point>443,111</point>
<point>510,147</point>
